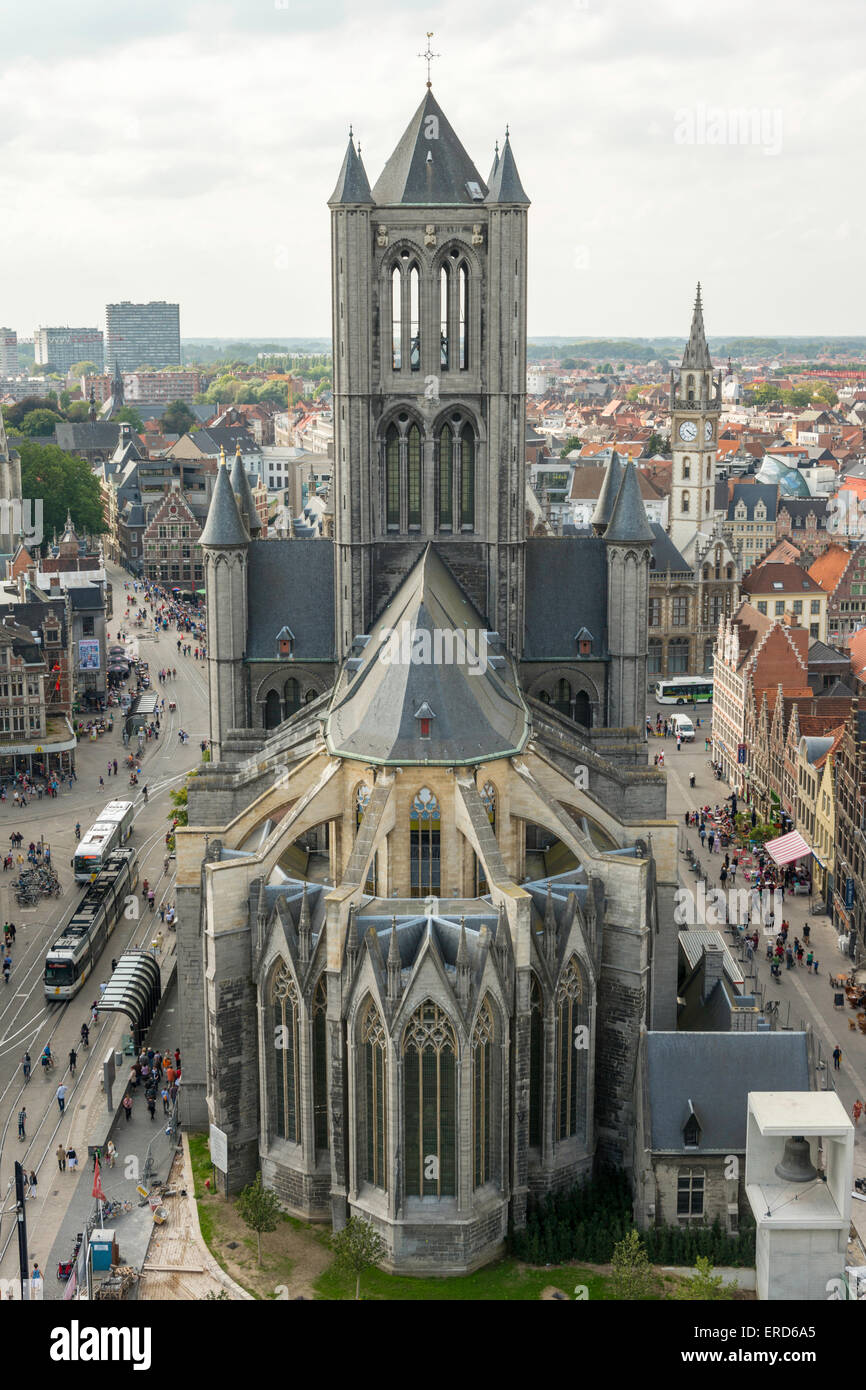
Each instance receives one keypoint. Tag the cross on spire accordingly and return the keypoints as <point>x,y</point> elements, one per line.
<point>428,57</point>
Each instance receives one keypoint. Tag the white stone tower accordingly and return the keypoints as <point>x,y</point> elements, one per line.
<point>429,331</point>
<point>695,404</point>
<point>225,542</point>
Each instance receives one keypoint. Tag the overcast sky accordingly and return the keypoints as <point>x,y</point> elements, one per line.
<point>185,151</point>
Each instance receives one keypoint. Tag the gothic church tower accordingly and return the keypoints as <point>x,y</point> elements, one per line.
<point>429,333</point>
<point>695,404</point>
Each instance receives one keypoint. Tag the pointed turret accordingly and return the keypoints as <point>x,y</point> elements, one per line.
<point>352,939</point>
<point>697,354</point>
<point>224,525</point>
<point>91,414</point>
<point>505,185</point>
<point>463,965</point>
<point>4,443</point>
<point>395,964</point>
<point>495,165</point>
<point>244,495</point>
<point>352,185</point>
<point>628,520</point>
<point>117,386</point>
<point>606,498</point>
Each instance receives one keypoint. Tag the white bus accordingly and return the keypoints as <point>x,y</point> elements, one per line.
<point>684,690</point>
<point>110,831</point>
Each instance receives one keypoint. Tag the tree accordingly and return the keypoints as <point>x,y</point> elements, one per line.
<point>62,483</point>
<point>572,442</point>
<point>358,1247</point>
<point>798,397</point>
<point>767,394</point>
<point>84,369</point>
<point>65,400</point>
<point>631,1272</point>
<point>259,1209</point>
<point>657,444</point>
<point>130,416</point>
<point>825,393</point>
<point>14,414</point>
<point>78,412</point>
<point>39,422</point>
<point>703,1284</point>
<point>177,418</point>
<point>633,393</point>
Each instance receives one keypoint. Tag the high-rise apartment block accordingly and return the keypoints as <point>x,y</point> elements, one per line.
<point>8,352</point>
<point>61,348</point>
<point>142,335</point>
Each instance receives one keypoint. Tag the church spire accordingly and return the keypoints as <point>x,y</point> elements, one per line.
<point>697,354</point>
<point>352,185</point>
<point>505,185</point>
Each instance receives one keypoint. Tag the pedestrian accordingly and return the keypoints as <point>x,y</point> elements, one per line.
<point>60,1153</point>
<point>71,1159</point>
<point>111,1153</point>
<point>102,782</point>
<point>61,1097</point>
<point>127,1106</point>
<point>22,1120</point>
<point>36,1276</point>
<point>73,1058</point>
<point>32,1184</point>
<point>115,766</point>
<point>96,1157</point>
<point>165,1105</point>
<point>857,1111</point>
<point>837,1057</point>
<point>151,1107</point>
<point>815,966</point>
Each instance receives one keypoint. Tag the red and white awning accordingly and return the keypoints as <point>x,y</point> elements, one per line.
<point>786,848</point>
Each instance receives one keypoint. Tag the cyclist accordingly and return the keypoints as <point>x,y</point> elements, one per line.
<point>46,1059</point>
<point>25,1065</point>
<point>7,967</point>
<point>85,1035</point>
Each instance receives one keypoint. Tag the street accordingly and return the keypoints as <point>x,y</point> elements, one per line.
<point>27,1020</point>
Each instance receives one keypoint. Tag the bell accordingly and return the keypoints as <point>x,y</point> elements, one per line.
<point>796,1165</point>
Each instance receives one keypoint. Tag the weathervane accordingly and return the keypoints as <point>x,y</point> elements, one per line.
<point>429,56</point>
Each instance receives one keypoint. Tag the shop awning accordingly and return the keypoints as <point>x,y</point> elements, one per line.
<point>786,848</point>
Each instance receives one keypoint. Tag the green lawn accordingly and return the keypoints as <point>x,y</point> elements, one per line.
<point>509,1280</point>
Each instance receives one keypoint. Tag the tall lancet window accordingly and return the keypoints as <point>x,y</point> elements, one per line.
<point>430,1103</point>
<point>320,1066</point>
<point>444,287</point>
<point>392,478</point>
<point>375,1054</point>
<point>413,461</point>
<point>446,478</point>
<point>572,1054</point>
<point>424,847</point>
<point>284,1003</point>
<point>463,312</point>
<point>415,319</point>
<point>396,318</point>
<point>483,1083</point>
<point>467,478</point>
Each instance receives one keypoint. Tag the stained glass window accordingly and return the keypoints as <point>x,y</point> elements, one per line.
<point>320,1065</point>
<point>572,1052</point>
<point>284,1006</point>
<point>424,859</point>
<point>375,1144</point>
<point>430,1103</point>
<point>482,1095</point>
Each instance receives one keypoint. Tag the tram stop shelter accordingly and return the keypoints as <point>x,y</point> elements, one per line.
<point>134,989</point>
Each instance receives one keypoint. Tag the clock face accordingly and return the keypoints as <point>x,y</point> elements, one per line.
<point>688,430</point>
<point>708,430</point>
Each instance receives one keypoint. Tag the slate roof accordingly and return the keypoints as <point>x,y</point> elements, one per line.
<point>628,520</point>
<point>798,508</point>
<point>566,588</point>
<point>505,185</point>
<point>665,555</point>
<point>101,435</point>
<point>409,177</point>
<point>290,583</point>
<point>782,579</point>
<point>751,494</point>
<point>609,489</point>
<point>86,598</point>
<point>244,495</point>
<point>716,1071</point>
<point>478,708</point>
<point>224,525</point>
<point>352,184</point>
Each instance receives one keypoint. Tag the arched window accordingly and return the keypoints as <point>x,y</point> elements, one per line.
<point>273,713</point>
<point>392,476</point>
<point>687,468</point>
<point>446,477</point>
<point>685,502</point>
<point>544,696</point>
<point>483,1083</point>
<point>414,319</point>
<point>463,313</point>
<point>572,1053</point>
<point>467,478</point>
<point>706,501</point>
<point>708,655</point>
<point>488,801</point>
<point>284,1011</point>
<point>562,697</point>
<point>320,1066</point>
<point>536,1062</point>
<point>414,475</point>
<point>444,290</point>
<point>690,389</point>
<point>310,696</point>
<point>582,709</point>
<point>292,695</point>
<point>430,1103</point>
<point>424,832</point>
<point>396,318</point>
<point>373,1147</point>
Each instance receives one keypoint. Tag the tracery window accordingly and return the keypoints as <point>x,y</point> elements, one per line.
<point>414,475</point>
<point>285,1014</point>
<point>396,318</point>
<point>536,1062</point>
<point>446,477</point>
<point>463,315</point>
<point>483,1038</point>
<point>392,477</point>
<point>374,1148</point>
<point>430,1103</point>
<point>424,835</point>
<point>572,1054</point>
<point>320,1065</point>
<point>467,478</point>
<point>414,320</point>
<point>444,339</point>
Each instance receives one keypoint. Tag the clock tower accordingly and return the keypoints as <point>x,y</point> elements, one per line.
<point>695,406</point>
